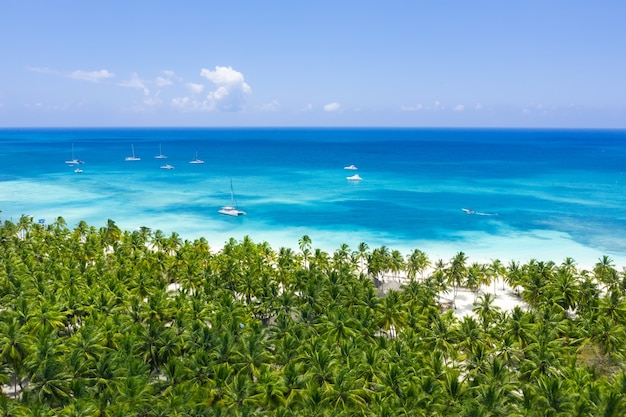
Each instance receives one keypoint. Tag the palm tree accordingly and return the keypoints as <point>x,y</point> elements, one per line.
<point>498,271</point>
<point>346,393</point>
<point>564,289</point>
<point>519,326</point>
<point>270,390</point>
<point>609,336</point>
<point>475,278</point>
<point>50,383</point>
<point>15,346</point>
<point>320,364</point>
<point>553,397</point>
<point>417,262</point>
<point>111,233</point>
<point>486,311</point>
<point>456,273</point>
<point>305,244</point>
<point>605,272</point>
<point>251,353</point>
<point>362,251</point>
<point>392,315</point>
<point>378,263</point>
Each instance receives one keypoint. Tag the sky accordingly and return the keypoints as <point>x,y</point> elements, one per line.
<point>405,63</point>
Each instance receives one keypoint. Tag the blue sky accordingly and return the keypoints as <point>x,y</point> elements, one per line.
<point>319,63</point>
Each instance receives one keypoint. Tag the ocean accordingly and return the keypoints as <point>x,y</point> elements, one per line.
<point>531,194</point>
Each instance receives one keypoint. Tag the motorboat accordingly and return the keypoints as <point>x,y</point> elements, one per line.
<point>355,177</point>
<point>469,211</point>
<point>78,170</point>
<point>350,168</point>
<point>167,166</point>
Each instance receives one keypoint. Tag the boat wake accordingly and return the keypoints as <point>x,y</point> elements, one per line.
<point>478,213</point>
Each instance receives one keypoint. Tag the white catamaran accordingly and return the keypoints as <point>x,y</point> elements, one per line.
<point>232,210</point>
<point>74,161</point>
<point>132,158</point>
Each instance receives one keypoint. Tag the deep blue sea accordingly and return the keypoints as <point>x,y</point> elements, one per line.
<point>543,194</point>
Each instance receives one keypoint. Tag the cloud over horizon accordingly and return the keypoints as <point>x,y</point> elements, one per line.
<point>330,107</point>
<point>91,76</point>
<point>231,88</point>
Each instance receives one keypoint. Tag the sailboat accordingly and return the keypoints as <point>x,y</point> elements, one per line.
<point>74,161</point>
<point>196,160</point>
<point>160,155</point>
<point>232,210</point>
<point>132,158</point>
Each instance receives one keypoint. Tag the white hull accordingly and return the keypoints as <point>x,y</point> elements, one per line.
<point>355,177</point>
<point>196,160</point>
<point>231,211</point>
<point>74,162</point>
<point>132,158</point>
<point>160,155</point>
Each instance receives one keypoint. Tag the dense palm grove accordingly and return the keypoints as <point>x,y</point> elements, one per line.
<point>105,322</point>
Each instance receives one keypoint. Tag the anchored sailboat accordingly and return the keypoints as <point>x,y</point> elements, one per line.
<point>132,158</point>
<point>160,155</point>
<point>74,161</point>
<point>232,210</point>
<point>196,160</point>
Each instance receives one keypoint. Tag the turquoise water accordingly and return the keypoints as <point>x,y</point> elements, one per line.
<point>550,193</point>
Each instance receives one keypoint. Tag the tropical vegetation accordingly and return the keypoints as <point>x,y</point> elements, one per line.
<point>106,322</point>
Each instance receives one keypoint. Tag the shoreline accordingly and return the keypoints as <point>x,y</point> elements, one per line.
<point>480,247</point>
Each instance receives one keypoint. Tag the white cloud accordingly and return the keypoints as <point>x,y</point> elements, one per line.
<point>162,82</point>
<point>332,106</point>
<point>92,76</point>
<point>231,89</point>
<point>271,106</point>
<point>168,78</point>
<point>195,88</point>
<point>181,102</point>
<point>154,100</point>
<point>136,82</point>
<point>219,95</point>
<point>417,107</point>
<point>42,70</point>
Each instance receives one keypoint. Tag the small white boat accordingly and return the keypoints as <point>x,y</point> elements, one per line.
<point>231,210</point>
<point>78,170</point>
<point>160,155</point>
<point>469,211</point>
<point>354,177</point>
<point>133,157</point>
<point>350,168</point>
<point>74,161</point>
<point>196,160</point>
<point>167,166</point>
